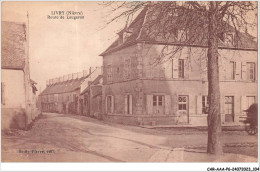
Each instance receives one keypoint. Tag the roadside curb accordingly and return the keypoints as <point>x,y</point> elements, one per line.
<point>199,128</point>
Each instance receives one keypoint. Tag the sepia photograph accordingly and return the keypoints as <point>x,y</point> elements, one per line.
<point>129,81</point>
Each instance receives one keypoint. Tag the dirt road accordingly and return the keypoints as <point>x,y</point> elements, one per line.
<point>71,138</point>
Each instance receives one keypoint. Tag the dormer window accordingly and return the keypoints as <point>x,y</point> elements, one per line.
<point>175,32</point>
<point>221,36</point>
<point>227,38</point>
<point>124,34</point>
<point>182,35</point>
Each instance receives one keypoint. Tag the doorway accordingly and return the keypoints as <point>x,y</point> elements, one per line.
<point>183,109</point>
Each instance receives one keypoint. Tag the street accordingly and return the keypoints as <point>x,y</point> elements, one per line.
<point>71,138</point>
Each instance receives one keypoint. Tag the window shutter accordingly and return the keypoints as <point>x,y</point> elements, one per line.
<point>222,104</point>
<point>130,104</point>
<point>3,93</point>
<point>112,104</point>
<point>125,104</point>
<point>186,68</point>
<point>175,68</point>
<point>174,105</point>
<point>149,102</point>
<point>199,105</point>
<point>238,70</point>
<point>243,103</point>
<point>106,104</point>
<point>167,104</point>
<point>243,71</point>
<point>228,70</point>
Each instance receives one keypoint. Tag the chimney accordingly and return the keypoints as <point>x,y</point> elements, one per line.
<point>65,77</point>
<point>74,76</point>
<point>69,76</point>
<point>61,79</point>
<point>85,73</point>
<point>90,70</point>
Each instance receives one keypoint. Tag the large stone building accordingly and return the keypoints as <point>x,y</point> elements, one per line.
<point>140,86</point>
<point>18,91</point>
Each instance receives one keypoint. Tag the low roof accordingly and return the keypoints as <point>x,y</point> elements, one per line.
<point>95,82</point>
<point>63,87</point>
<point>13,45</point>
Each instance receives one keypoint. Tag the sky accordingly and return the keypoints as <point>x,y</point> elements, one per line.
<point>59,47</point>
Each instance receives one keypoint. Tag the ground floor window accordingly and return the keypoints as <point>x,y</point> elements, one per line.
<point>229,108</point>
<point>249,101</point>
<point>205,104</point>
<point>110,104</point>
<point>128,104</point>
<point>158,104</point>
<point>183,101</point>
<point>183,109</point>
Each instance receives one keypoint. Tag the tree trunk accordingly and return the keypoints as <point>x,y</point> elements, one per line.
<point>214,118</point>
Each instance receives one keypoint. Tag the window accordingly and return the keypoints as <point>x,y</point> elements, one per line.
<point>2,93</point>
<point>174,32</point>
<point>250,100</point>
<point>182,35</point>
<point>233,70</point>
<point>128,104</point>
<point>181,68</point>
<point>110,104</point>
<point>182,101</point>
<point>74,98</point>
<point>158,104</point>
<point>221,36</point>
<point>85,100</point>
<point>205,104</point>
<point>229,109</point>
<point>251,71</point>
<point>127,68</point>
<point>229,38</point>
<point>109,73</point>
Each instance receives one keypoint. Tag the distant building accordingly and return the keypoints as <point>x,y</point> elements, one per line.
<point>139,91</point>
<point>91,98</point>
<point>62,94</point>
<point>18,96</point>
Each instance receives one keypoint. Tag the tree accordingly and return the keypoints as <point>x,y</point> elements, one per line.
<point>200,22</point>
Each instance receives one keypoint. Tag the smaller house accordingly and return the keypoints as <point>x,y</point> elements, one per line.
<point>18,91</point>
<point>91,98</point>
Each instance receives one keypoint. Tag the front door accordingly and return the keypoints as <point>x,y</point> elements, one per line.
<point>229,109</point>
<point>158,104</point>
<point>183,109</point>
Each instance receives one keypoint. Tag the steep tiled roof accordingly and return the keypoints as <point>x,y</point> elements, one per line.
<point>136,25</point>
<point>63,87</point>
<point>13,45</point>
<point>142,30</point>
